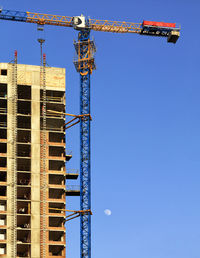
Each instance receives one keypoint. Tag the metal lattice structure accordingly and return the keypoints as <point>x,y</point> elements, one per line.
<point>92,24</point>
<point>84,65</point>
<point>44,159</point>
<point>14,158</point>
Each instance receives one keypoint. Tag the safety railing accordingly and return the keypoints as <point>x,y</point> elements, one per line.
<point>3,110</point>
<point>54,114</point>
<point>54,99</point>
<point>51,129</point>
<point>3,124</point>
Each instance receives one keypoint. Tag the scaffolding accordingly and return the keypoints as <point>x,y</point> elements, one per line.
<point>43,159</point>
<point>13,67</point>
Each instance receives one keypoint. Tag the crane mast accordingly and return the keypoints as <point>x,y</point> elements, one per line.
<point>85,49</point>
<point>85,166</point>
<point>85,64</point>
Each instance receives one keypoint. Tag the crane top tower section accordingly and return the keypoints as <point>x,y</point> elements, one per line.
<point>149,28</point>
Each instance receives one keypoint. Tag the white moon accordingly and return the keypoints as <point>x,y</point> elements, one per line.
<point>107,212</point>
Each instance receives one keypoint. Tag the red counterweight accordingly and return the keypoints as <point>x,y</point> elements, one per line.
<point>159,24</point>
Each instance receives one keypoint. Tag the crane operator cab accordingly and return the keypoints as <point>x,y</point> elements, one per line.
<point>79,22</point>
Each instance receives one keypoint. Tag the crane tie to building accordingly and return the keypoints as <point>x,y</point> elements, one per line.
<point>74,121</point>
<point>75,214</point>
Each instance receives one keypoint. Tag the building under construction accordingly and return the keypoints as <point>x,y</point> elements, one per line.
<point>32,161</point>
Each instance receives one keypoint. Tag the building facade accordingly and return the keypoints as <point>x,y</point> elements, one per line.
<point>32,161</point>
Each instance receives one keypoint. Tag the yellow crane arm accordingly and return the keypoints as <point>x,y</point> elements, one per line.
<point>94,24</point>
<point>49,19</point>
<point>115,26</point>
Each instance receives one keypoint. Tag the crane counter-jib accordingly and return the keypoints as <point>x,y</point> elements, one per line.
<point>13,15</point>
<point>38,18</point>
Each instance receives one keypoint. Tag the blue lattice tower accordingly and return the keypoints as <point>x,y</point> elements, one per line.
<point>84,64</point>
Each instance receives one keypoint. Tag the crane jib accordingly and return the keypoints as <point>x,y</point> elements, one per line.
<point>148,28</point>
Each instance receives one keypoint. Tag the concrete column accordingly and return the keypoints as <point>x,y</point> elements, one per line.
<point>35,166</point>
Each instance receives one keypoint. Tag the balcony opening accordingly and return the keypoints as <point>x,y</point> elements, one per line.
<point>4,72</point>
<point>3,147</point>
<point>3,162</point>
<point>53,96</point>
<point>2,249</point>
<point>3,106</point>
<point>23,221</point>
<point>3,176</point>
<point>53,124</point>
<point>24,92</point>
<point>56,250</point>
<point>23,236</point>
<point>56,193</point>
<point>2,190</point>
<point>24,107</point>
<point>56,222</point>
<point>56,179</point>
<point>23,207</point>
<point>57,137</point>
<point>56,236</point>
<point>23,250</point>
<point>57,165</point>
<point>23,150</point>
<point>3,134</point>
<point>3,121</point>
<point>57,208</point>
<point>56,151</point>
<point>3,206</point>
<point>23,179</point>
<point>3,221</point>
<point>23,164</point>
<point>24,193</point>
<point>24,122</point>
<point>2,234</point>
<point>3,90</point>
<point>58,107</point>
<point>24,136</point>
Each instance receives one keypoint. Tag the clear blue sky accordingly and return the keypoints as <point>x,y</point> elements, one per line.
<point>145,129</point>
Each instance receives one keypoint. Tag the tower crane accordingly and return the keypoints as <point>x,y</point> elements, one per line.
<point>85,64</point>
